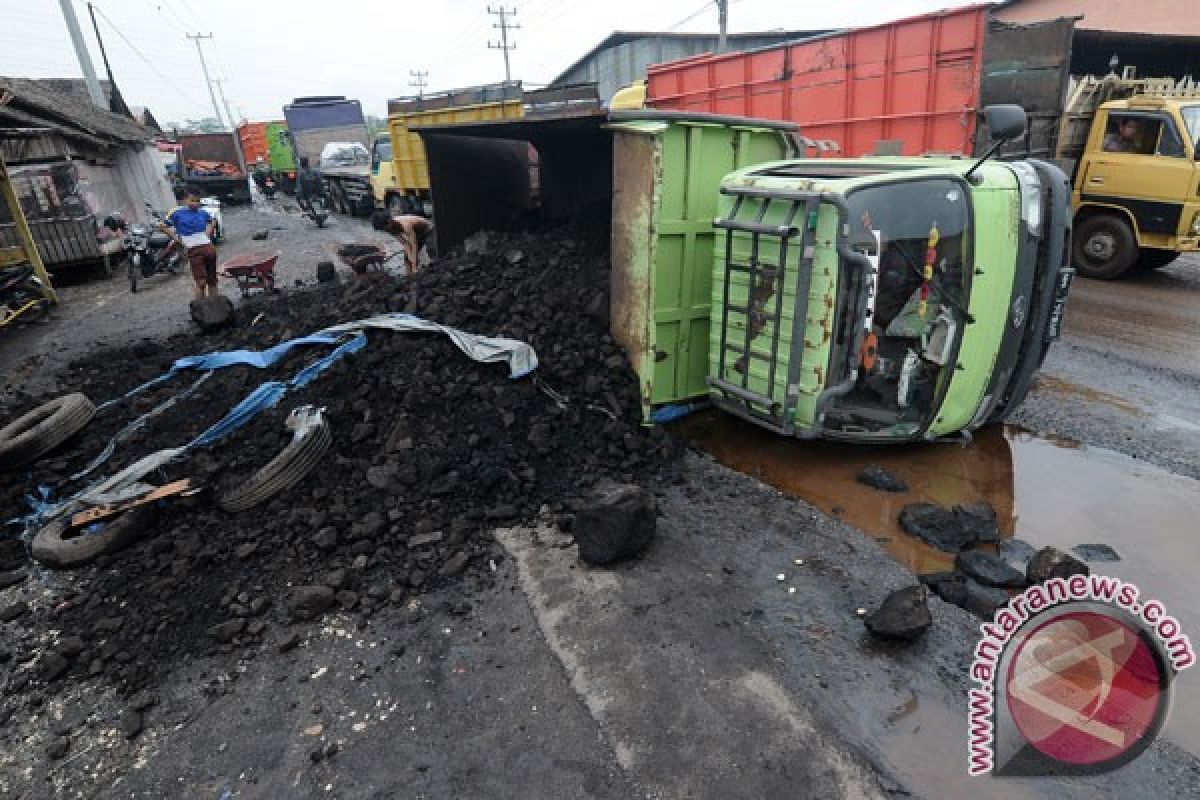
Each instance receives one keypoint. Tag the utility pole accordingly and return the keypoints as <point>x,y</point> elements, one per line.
<point>505,26</point>
<point>220,82</point>
<point>723,21</point>
<point>207,80</point>
<point>104,57</point>
<point>81,52</point>
<point>419,81</point>
<point>237,140</point>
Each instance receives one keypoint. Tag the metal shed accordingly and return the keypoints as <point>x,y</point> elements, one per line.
<point>622,57</point>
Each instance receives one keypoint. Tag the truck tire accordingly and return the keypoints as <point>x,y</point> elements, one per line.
<point>57,547</point>
<point>39,431</point>
<point>284,471</point>
<point>1104,247</point>
<point>1149,259</point>
<point>397,206</point>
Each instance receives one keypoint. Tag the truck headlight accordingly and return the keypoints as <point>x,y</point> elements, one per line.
<point>1031,195</point>
<point>1196,224</point>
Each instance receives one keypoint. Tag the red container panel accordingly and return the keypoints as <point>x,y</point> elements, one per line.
<point>915,80</point>
<point>253,136</point>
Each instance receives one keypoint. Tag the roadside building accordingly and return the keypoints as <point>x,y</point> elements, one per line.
<point>73,164</point>
<point>1157,37</point>
<point>622,57</point>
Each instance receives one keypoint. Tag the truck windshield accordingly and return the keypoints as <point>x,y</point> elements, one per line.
<point>1191,118</point>
<point>903,228</point>
<point>915,234</point>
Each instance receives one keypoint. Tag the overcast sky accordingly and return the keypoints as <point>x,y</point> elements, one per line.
<point>269,51</point>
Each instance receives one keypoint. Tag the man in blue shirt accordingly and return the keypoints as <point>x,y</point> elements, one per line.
<point>193,226</point>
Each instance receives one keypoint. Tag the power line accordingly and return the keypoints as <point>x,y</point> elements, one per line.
<point>142,56</point>
<point>692,16</point>
<point>204,67</point>
<point>159,10</point>
<point>504,25</point>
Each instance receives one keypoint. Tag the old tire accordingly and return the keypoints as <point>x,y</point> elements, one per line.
<point>56,547</point>
<point>1155,259</point>
<point>1104,247</point>
<point>284,471</point>
<point>39,431</point>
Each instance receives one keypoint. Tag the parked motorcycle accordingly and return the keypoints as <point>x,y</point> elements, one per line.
<point>21,295</point>
<point>148,250</point>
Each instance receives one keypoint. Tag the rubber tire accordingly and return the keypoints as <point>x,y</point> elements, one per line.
<point>50,548</point>
<point>397,205</point>
<point>135,266</point>
<point>42,429</point>
<point>1149,259</point>
<point>287,469</point>
<point>1126,249</point>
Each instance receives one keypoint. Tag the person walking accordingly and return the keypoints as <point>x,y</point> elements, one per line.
<point>192,225</point>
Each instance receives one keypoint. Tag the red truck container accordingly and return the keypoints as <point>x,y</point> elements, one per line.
<point>253,136</point>
<point>913,85</point>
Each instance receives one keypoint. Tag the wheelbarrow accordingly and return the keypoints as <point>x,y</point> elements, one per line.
<point>252,271</point>
<point>362,257</point>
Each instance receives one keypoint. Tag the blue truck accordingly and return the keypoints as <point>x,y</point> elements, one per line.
<point>315,123</point>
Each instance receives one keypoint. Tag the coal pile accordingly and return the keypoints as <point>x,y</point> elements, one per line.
<point>430,451</point>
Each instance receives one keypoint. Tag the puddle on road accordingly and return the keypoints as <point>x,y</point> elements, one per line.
<point>823,473</point>
<point>1045,491</point>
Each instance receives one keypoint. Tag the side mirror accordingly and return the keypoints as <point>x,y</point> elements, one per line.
<point>1004,122</point>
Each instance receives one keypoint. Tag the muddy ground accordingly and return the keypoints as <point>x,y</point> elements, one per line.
<point>691,672</point>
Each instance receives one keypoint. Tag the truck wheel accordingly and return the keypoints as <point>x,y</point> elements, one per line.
<point>396,206</point>
<point>1104,247</point>
<point>44,428</point>
<point>1154,259</point>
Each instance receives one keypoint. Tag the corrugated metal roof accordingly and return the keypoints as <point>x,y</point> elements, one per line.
<point>622,37</point>
<point>56,104</point>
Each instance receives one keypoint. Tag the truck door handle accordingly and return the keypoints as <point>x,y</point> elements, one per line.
<point>1096,179</point>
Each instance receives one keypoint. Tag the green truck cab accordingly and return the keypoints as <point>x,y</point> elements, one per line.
<point>886,299</point>
<point>876,299</point>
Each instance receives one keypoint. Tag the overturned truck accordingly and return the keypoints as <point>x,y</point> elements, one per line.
<point>877,299</point>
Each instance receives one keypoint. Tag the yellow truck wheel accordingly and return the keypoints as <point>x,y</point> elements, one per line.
<point>1104,247</point>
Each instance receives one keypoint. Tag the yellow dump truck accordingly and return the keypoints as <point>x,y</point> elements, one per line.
<point>1136,187</point>
<point>399,170</point>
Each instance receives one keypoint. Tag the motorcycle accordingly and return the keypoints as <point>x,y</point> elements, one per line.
<point>316,209</point>
<point>148,250</point>
<point>21,295</point>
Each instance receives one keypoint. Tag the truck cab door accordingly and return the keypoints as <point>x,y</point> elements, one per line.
<point>1150,173</point>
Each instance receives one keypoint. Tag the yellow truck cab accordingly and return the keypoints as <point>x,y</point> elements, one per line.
<point>384,185</point>
<point>1137,185</point>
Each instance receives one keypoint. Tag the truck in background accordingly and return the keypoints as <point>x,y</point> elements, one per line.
<point>210,162</point>
<point>313,123</point>
<point>914,87</point>
<point>399,168</point>
<point>268,150</point>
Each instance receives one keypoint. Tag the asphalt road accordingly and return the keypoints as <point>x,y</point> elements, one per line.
<point>690,673</point>
<point>1126,374</point>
